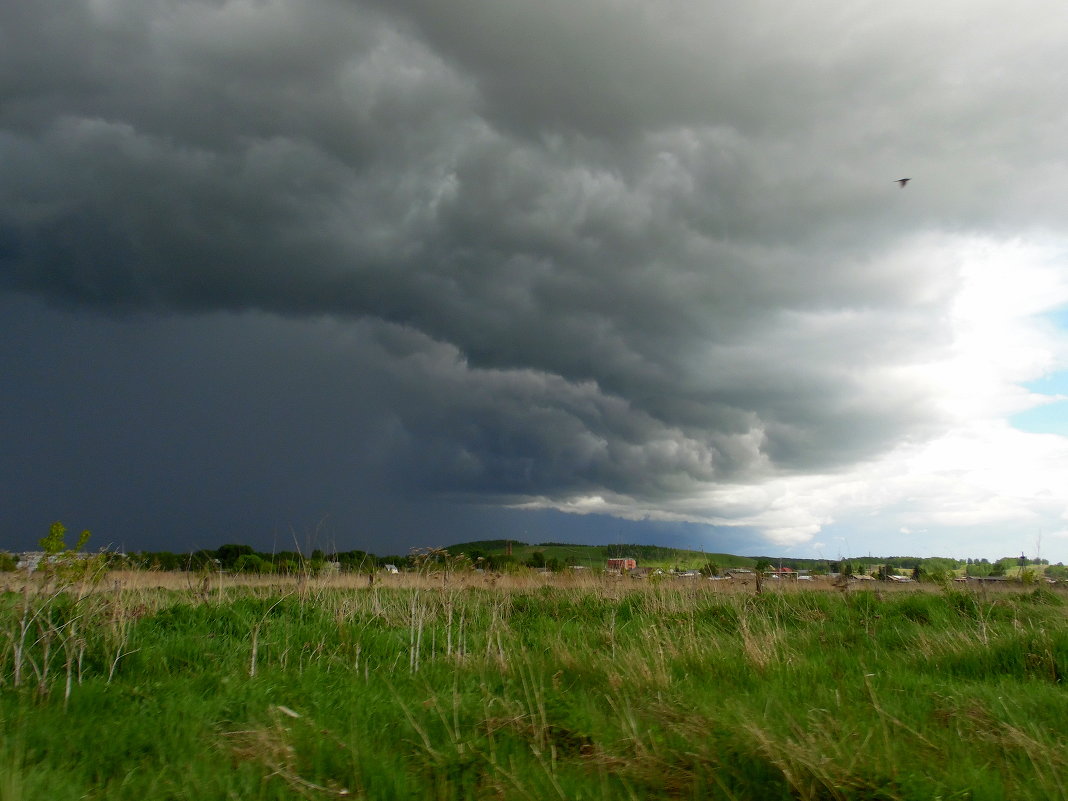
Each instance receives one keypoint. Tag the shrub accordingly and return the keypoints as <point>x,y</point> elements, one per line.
<point>250,563</point>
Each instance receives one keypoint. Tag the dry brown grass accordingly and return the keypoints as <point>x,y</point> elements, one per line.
<point>518,582</point>
<point>665,592</point>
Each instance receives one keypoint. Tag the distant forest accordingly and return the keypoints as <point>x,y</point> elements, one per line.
<point>507,555</point>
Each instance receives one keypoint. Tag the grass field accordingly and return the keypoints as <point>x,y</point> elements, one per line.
<point>157,686</point>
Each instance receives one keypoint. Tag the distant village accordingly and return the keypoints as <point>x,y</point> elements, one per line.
<point>243,559</point>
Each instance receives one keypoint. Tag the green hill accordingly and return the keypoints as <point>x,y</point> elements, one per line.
<point>595,556</point>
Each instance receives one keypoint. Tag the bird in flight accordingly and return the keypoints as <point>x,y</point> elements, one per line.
<point>902,181</point>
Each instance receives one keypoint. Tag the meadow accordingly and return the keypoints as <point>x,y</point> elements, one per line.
<point>457,686</point>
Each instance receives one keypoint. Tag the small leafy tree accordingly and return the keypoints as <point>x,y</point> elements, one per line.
<point>251,563</point>
<point>536,560</point>
<point>287,567</point>
<point>937,574</point>
<point>978,569</point>
<point>761,566</point>
<point>63,564</point>
<point>54,544</point>
<point>229,554</point>
<point>1057,571</point>
<point>49,633</point>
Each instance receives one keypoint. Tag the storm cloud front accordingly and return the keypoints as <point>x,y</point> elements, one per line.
<point>608,268</point>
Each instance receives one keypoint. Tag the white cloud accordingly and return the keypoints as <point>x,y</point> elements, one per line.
<point>979,473</point>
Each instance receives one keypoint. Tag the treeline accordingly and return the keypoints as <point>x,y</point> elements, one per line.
<point>493,554</point>
<point>235,558</point>
<point>502,555</point>
<point>1002,567</point>
<point>482,558</point>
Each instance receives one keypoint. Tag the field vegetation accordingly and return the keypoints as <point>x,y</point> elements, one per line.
<point>511,557</point>
<point>451,684</point>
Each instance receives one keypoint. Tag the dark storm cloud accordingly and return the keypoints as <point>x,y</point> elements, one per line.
<point>597,248</point>
<point>225,426</point>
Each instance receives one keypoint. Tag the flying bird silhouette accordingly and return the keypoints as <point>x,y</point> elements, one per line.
<point>902,181</point>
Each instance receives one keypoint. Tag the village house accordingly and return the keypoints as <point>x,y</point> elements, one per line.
<point>981,579</point>
<point>781,573</point>
<point>686,574</point>
<point>31,560</point>
<point>644,572</point>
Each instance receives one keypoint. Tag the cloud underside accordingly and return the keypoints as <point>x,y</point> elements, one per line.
<point>604,256</point>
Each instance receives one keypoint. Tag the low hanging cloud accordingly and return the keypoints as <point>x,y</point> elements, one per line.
<point>627,251</point>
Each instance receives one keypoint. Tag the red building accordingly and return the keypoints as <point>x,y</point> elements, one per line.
<point>621,564</point>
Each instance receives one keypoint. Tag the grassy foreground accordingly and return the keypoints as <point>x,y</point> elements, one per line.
<point>608,690</point>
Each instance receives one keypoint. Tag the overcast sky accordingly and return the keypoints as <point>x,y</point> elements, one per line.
<point>389,273</point>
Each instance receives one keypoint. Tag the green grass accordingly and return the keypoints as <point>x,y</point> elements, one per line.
<point>613,691</point>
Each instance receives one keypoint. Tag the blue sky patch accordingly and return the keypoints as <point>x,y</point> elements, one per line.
<point>1052,418</point>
